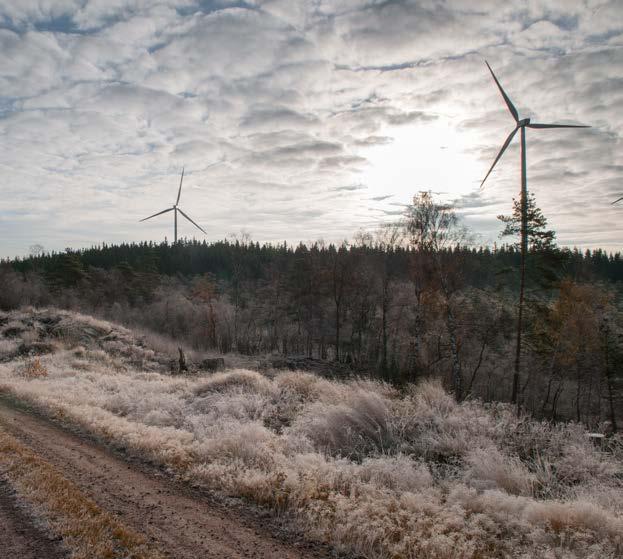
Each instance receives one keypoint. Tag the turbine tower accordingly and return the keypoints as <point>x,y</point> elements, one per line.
<point>175,209</point>
<point>520,125</point>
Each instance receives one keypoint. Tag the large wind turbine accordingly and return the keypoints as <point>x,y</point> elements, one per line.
<point>520,125</point>
<point>175,209</point>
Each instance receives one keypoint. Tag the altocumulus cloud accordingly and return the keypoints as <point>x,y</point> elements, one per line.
<point>103,101</point>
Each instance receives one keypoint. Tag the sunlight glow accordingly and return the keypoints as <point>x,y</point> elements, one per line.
<point>425,156</point>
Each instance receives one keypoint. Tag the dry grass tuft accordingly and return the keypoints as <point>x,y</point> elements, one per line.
<point>490,469</point>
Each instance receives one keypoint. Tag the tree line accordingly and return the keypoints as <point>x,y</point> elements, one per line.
<point>410,300</point>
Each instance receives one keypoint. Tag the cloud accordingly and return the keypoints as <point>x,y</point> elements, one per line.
<point>103,101</point>
<point>276,118</point>
<point>349,188</point>
<point>373,141</point>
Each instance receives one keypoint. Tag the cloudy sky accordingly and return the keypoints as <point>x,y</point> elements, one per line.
<point>299,120</point>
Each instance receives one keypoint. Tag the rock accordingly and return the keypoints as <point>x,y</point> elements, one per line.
<point>329,369</point>
<point>212,364</point>
<point>37,348</point>
<point>13,332</point>
<point>182,361</point>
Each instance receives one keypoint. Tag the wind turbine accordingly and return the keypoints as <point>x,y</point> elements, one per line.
<point>175,209</point>
<point>520,125</point>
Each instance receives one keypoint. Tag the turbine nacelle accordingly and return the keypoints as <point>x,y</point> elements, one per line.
<point>523,122</point>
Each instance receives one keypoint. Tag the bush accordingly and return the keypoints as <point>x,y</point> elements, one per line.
<point>34,369</point>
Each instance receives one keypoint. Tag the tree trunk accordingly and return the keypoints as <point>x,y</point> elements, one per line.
<point>337,331</point>
<point>182,361</point>
<point>613,419</point>
<point>477,367</point>
<point>457,376</point>
<point>608,374</point>
<point>384,328</point>
<point>522,280</point>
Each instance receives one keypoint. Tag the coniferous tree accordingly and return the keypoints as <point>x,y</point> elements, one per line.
<point>531,226</point>
<point>539,237</point>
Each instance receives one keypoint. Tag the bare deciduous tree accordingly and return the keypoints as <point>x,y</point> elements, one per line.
<point>434,230</point>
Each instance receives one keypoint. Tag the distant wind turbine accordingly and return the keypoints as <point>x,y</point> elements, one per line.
<point>520,125</point>
<point>175,209</point>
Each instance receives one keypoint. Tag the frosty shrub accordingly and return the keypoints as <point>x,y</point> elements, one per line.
<point>8,348</point>
<point>371,470</point>
<point>356,428</point>
<point>33,368</point>
<point>488,468</point>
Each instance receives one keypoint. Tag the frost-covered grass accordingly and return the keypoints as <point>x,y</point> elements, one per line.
<point>358,464</point>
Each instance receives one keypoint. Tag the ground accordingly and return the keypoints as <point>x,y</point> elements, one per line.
<point>21,535</point>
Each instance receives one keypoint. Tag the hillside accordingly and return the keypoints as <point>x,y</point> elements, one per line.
<point>378,308</point>
<point>367,468</point>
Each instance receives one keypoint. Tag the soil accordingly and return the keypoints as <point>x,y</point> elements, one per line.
<point>180,521</point>
<point>20,534</point>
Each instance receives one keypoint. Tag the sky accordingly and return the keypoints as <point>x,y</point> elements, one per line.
<point>302,120</point>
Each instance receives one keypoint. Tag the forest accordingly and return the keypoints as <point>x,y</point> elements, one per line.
<point>410,301</point>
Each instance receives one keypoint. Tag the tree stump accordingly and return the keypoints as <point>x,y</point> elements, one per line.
<point>183,368</point>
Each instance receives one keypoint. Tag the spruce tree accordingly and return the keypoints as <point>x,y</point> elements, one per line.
<point>539,237</point>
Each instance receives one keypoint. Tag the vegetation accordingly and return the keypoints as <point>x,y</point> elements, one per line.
<point>411,301</point>
<point>372,470</point>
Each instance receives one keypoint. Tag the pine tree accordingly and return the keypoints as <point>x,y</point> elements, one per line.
<point>546,262</point>
<point>539,237</point>
<point>528,221</point>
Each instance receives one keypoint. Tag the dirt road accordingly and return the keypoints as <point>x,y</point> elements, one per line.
<point>178,521</point>
<point>19,536</point>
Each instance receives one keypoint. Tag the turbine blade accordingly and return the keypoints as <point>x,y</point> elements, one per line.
<point>179,192</point>
<point>509,103</point>
<point>508,141</point>
<point>621,198</point>
<point>162,212</point>
<point>188,218</point>
<point>537,125</point>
